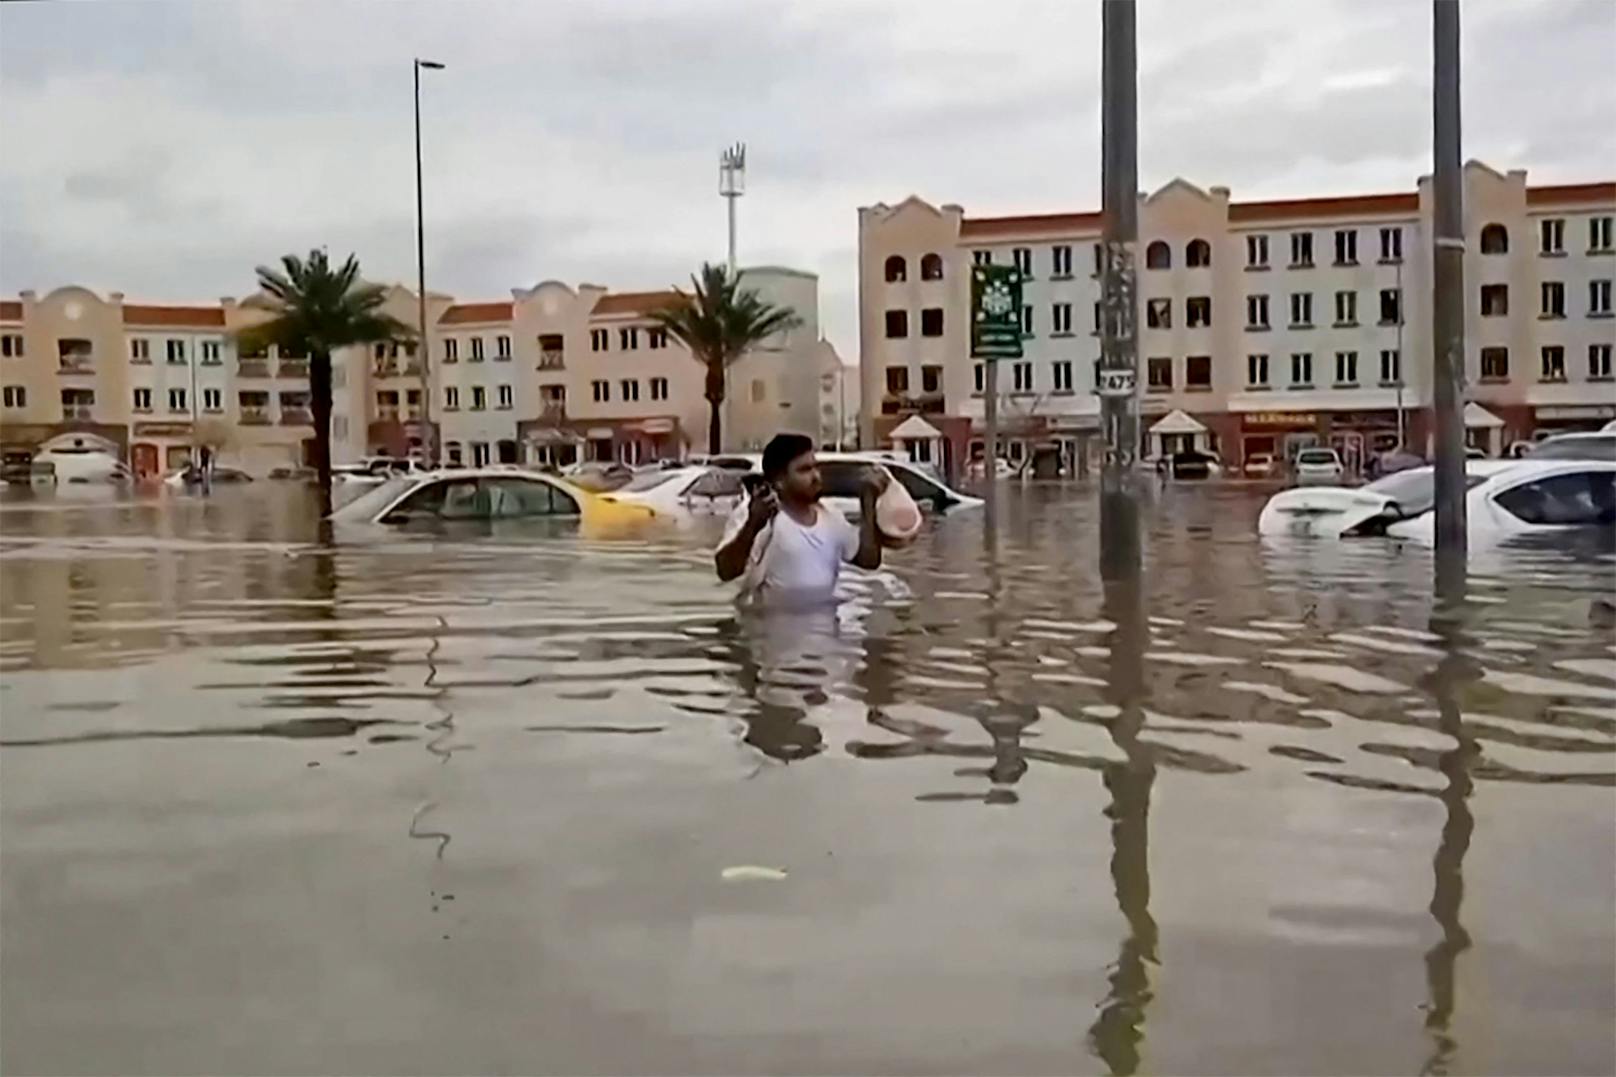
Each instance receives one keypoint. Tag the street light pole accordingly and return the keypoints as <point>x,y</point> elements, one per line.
<point>423,349</point>
<point>1448,301</point>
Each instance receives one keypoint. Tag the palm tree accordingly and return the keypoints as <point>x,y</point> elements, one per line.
<point>315,311</point>
<point>720,322</point>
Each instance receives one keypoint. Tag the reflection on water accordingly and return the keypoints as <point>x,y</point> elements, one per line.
<point>462,803</point>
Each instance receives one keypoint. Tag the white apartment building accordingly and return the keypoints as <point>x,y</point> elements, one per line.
<point>1263,326</point>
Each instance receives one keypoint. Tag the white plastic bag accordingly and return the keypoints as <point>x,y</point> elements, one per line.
<point>897,516</point>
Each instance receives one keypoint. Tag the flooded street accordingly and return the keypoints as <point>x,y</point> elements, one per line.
<point>464,802</point>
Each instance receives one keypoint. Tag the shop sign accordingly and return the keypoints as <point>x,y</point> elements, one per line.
<point>1281,418</point>
<point>1578,411</point>
<point>162,430</point>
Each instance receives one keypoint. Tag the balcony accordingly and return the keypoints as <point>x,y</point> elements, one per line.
<point>553,412</point>
<point>296,417</point>
<point>293,368</point>
<point>82,412</point>
<point>385,368</point>
<point>254,416</point>
<point>388,415</point>
<point>252,368</point>
<point>76,364</point>
<point>552,360</point>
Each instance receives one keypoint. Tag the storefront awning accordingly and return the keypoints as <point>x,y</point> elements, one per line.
<point>915,428</point>
<point>552,436</point>
<point>1177,422</point>
<point>1478,417</point>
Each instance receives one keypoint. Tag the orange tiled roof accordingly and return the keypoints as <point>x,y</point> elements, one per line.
<point>191,317</point>
<point>633,302</point>
<point>1569,193</point>
<point>1344,206</point>
<point>467,313</point>
<point>10,310</point>
<point>989,227</point>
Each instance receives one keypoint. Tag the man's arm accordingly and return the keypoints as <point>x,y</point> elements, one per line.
<point>731,557</point>
<point>869,547</point>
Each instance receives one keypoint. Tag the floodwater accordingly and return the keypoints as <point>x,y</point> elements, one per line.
<point>468,803</point>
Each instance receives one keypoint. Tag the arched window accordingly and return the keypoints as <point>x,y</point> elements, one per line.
<point>1494,239</point>
<point>1198,254</point>
<point>897,269</point>
<point>931,267</point>
<point>1158,256</point>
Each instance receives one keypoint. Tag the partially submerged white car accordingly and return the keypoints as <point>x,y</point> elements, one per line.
<point>1504,498</point>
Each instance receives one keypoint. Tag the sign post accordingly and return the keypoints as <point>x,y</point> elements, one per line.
<point>995,335</point>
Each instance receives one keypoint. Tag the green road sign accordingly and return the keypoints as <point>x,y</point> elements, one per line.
<point>995,312</point>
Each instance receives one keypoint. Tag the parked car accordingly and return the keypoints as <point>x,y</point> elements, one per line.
<point>1392,461</point>
<point>1321,466</point>
<point>1531,497</point>
<point>1259,466</point>
<point>293,474</point>
<point>187,475</point>
<point>1586,445</point>
<point>599,476</point>
<point>436,498</point>
<point>1191,464</point>
<point>685,491</point>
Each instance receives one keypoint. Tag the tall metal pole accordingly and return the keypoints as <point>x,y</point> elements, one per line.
<point>990,428</point>
<point>1119,351</point>
<point>1448,302</point>
<point>423,351</point>
<point>1402,431</point>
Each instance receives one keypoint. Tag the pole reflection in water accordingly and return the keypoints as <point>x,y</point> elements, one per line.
<point>1453,671</point>
<point>1118,1031</point>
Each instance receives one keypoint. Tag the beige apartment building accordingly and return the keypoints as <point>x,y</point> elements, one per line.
<point>1263,326</point>
<point>554,374</point>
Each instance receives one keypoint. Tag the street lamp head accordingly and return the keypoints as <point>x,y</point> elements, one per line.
<point>430,65</point>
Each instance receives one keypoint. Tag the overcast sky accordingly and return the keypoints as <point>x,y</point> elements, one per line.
<point>164,149</point>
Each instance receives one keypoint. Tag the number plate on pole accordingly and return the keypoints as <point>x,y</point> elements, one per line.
<point>1117,382</point>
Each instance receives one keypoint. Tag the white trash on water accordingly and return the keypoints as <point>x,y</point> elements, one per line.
<point>752,872</point>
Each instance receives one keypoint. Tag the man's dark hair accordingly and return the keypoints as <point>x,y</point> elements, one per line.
<point>781,450</point>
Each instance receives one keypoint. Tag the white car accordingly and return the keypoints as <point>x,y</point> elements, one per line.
<point>1530,497</point>
<point>1343,512</point>
<point>1318,466</point>
<point>700,490</point>
<point>185,475</point>
<point>461,495</point>
<point>1584,445</point>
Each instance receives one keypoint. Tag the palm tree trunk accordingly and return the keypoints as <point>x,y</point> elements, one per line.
<point>715,405</point>
<point>320,409</point>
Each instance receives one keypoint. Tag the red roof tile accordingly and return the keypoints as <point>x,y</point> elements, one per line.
<point>1572,193</point>
<point>10,310</point>
<point>991,227</point>
<point>633,302</point>
<point>1341,206</point>
<point>187,317</point>
<point>469,313</point>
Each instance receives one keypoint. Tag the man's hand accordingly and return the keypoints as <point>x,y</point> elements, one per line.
<point>873,484</point>
<point>760,509</point>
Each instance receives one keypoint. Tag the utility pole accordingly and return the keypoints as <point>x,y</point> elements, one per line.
<point>423,349</point>
<point>1402,428</point>
<point>731,186</point>
<point>1119,346</point>
<point>1448,303</point>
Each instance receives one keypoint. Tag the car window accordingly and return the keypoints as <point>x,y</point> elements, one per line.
<point>1578,497</point>
<point>514,498</point>
<point>374,499</point>
<point>1315,456</point>
<point>650,480</point>
<point>919,487</point>
<point>1414,490</point>
<point>1601,447</point>
<point>716,483</point>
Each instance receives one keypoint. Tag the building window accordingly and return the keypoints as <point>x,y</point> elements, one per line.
<point>599,339</point>
<point>982,258</point>
<point>1022,256</point>
<point>1553,296</point>
<point>212,399</point>
<point>1099,259</point>
<point>15,396</point>
<point>1098,318</point>
<point>1391,244</point>
<point>1256,312</point>
<point>1391,306</point>
<point>1495,300</point>
<point>1198,255</point>
<point>1599,362</point>
<point>931,322</point>
<point>631,390</point>
<point>1063,375</point>
<point>628,338</point>
<point>659,388</point>
<point>176,351</point>
<point>931,379</point>
<point>1198,311</point>
<point>502,347</point>
<point>176,400</point>
<point>1301,249</point>
<point>479,398</point>
<point>1060,319</point>
<point>451,350</point>
<point>210,353</point>
<point>479,454</point>
<point>1159,374</point>
<point>476,350</point>
<point>656,339</point>
<point>1158,313</point>
<point>76,403</point>
<point>1026,320</point>
<point>387,400</point>
<point>140,350</point>
<point>1599,235</point>
<point>897,270</point>
<point>602,391</point>
<point>1060,262</point>
<point>142,399</point>
<point>1346,247</point>
<point>1553,363</point>
<point>1346,308</point>
<point>10,345</point>
<point>1346,368</point>
<point>1257,371</point>
<point>1391,366</point>
<point>451,398</point>
<point>1301,310</point>
<point>1494,239</point>
<point>455,453</point>
<point>1495,364</point>
<point>1552,233</point>
<point>1021,381</point>
<point>897,380</point>
<point>1599,298</point>
<point>1257,252</point>
<point>931,267</point>
<point>897,324</point>
<point>1158,255</point>
<point>507,399</point>
<point>979,377</point>
<point>1301,370</point>
<point>1198,372</point>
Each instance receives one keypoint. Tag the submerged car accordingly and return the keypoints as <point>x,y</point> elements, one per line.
<point>1318,466</point>
<point>483,494</point>
<point>186,475</point>
<point>1531,497</point>
<point>702,490</point>
<point>1589,445</point>
<point>1401,504</point>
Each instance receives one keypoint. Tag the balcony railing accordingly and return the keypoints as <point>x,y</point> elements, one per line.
<point>552,360</point>
<point>296,417</point>
<point>76,364</point>
<point>78,411</point>
<point>553,413</point>
<point>252,368</point>
<point>254,416</point>
<point>292,368</point>
<point>385,368</point>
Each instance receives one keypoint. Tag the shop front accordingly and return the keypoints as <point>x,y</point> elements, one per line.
<point>950,446</point>
<point>1357,435</point>
<point>1569,418</point>
<point>557,443</point>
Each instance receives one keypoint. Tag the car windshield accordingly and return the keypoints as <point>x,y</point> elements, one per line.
<point>1582,447</point>
<point>1316,456</point>
<point>1414,490</point>
<point>649,480</point>
<point>376,498</point>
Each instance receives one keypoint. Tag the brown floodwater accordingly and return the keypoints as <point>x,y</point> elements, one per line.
<point>466,802</point>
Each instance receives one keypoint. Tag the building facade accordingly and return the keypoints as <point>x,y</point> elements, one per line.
<point>552,375</point>
<point>1263,326</point>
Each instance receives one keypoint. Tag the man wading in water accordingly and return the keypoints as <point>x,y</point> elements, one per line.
<point>788,547</point>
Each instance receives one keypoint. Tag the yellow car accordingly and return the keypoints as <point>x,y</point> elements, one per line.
<point>504,493</point>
